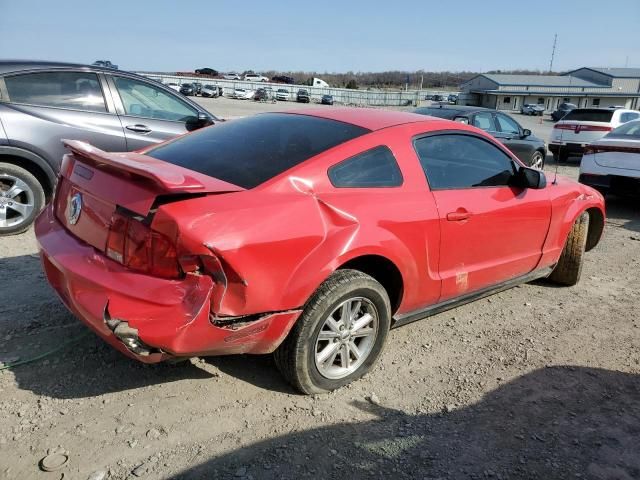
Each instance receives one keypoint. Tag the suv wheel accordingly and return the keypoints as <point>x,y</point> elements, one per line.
<point>339,335</point>
<point>21,198</point>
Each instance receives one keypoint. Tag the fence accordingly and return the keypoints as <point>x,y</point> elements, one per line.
<point>340,95</point>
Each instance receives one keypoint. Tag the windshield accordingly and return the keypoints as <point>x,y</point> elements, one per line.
<point>630,131</point>
<point>249,151</point>
<point>447,113</point>
<point>589,115</point>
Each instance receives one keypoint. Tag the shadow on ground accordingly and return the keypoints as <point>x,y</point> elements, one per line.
<point>554,423</point>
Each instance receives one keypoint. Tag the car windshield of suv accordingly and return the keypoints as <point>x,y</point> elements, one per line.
<point>249,151</point>
<point>629,131</point>
<point>446,113</point>
<point>589,115</point>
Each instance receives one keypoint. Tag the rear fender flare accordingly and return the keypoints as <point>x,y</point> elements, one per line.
<point>29,156</point>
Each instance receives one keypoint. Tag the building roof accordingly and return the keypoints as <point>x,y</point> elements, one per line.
<point>540,80</point>
<point>613,72</point>
<point>369,118</point>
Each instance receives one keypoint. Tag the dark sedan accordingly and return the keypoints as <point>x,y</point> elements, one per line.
<point>188,89</point>
<point>327,100</point>
<point>562,111</point>
<point>527,147</point>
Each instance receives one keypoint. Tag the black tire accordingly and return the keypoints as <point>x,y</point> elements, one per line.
<point>295,357</point>
<point>569,266</point>
<point>33,195</point>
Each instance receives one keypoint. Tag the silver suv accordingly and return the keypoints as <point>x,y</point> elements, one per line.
<point>42,103</point>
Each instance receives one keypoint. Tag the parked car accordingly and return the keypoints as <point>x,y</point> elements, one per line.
<point>365,243</point>
<point>255,77</point>
<point>452,99</point>
<point>303,96</point>
<point>282,94</point>
<point>187,89</point>
<point>436,98</point>
<point>197,88</point>
<point>211,91</point>
<point>283,79</point>
<point>207,71</point>
<point>104,64</point>
<point>326,100</point>
<point>529,149</point>
<point>612,164</point>
<point>44,102</point>
<point>243,94</point>
<point>582,126</point>
<point>174,86</point>
<point>264,94</point>
<point>532,109</point>
<point>562,110</point>
<point>231,76</point>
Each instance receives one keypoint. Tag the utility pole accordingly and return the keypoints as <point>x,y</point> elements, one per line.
<point>553,52</point>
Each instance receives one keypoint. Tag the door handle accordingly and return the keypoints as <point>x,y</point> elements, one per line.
<point>138,128</point>
<point>458,216</point>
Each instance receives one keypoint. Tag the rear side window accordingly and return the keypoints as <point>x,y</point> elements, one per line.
<point>249,151</point>
<point>374,168</point>
<point>628,116</point>
<point>484,121</point>
<point>76,90</point>
<point>455,161</point>
<point>589,115</point>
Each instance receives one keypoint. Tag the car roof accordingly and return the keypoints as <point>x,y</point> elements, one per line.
<point>369,118</point>
<point>10,66</point>
<point>459,108</point>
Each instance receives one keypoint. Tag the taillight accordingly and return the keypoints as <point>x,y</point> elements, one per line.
<point>564,126</point>
<point>136,246</point>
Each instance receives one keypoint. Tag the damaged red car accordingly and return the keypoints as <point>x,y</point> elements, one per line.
<point>307,234</point>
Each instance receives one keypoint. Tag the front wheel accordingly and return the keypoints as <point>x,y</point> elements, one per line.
<point>21,198</point>
<point>339,335</point>
<point>569,266</point>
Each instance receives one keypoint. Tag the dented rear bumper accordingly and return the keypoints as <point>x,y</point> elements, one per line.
<point>168,317</point>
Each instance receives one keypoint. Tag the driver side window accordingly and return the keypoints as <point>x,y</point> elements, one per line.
<point>142,99</point>
<point>456,161</point>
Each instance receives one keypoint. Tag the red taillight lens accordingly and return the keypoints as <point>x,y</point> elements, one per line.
<point>564,126</point>
<point>136,246</point>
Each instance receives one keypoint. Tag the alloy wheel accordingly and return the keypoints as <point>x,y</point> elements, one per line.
<point>346,338</point>
<point>537,161</point>
<point>16,201</point>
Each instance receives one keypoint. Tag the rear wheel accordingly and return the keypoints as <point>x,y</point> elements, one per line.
<point>537,160</point>
<point>339,335</point>
<point>21,198</point>
<point>569,267</point>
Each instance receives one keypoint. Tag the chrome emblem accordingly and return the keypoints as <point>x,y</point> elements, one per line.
<point>75,208</point>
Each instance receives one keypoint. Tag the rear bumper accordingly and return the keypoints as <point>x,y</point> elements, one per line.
<point>612,183</point>
<point>576,148</point>
<point>172,317</point>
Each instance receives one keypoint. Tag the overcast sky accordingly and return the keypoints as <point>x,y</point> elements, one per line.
<point>334,36</point>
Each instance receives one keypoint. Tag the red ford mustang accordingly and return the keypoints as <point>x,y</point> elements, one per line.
<point>307,234</point>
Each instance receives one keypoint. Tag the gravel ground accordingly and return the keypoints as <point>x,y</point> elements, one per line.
<point>536,382</point>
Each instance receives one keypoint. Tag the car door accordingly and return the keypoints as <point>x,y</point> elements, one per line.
<point>509,133</point>
<point>490,232</point>
<point>43,107</point>
<point>150,113</point>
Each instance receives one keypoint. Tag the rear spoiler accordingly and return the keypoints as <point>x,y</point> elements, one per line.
<point>165,176</point>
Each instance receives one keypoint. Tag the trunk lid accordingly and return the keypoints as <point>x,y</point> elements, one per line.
<point>617,153</point>
<point>94,184</point>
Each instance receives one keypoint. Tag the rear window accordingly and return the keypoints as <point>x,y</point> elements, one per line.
<point>249,151</point>
<point>589,115</point>
<point>446,113</point>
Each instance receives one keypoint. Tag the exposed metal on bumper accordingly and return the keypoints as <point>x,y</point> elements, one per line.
<point>171,317</point>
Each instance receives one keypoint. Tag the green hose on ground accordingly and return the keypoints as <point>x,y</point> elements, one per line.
<point>46,354</point>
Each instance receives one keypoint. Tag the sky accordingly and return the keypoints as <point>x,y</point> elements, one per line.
<point>324,36</point>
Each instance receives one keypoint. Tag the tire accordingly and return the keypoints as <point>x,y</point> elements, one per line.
<point>537,160</point>
<point>30,199</point>
<point>299,357</point>
<point>569,266</point>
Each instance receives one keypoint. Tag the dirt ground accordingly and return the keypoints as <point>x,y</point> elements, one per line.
<point>537,382</point>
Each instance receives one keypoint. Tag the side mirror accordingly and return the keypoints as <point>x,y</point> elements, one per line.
<point>202,120</point>
<point>529,178</point>
<point>526,133</point>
